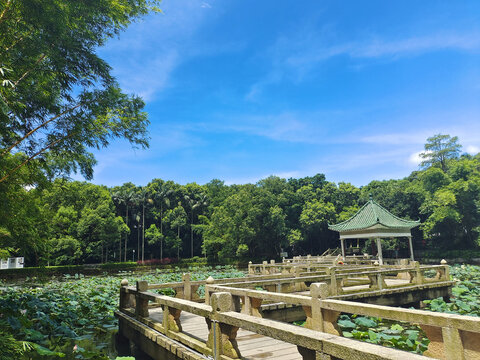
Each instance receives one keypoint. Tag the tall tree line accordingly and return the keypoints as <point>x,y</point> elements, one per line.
<point>66,222</point>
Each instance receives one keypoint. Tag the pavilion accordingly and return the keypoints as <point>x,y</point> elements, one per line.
<point>373,221</point>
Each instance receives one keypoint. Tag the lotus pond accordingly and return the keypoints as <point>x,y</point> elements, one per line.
<point>465,300</point>
<point>73,317</point>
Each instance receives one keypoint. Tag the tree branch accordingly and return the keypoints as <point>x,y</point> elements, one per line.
<point>14,170</point>
<point>40,59</point>
<point>37,128</point>
<point>7,7</point>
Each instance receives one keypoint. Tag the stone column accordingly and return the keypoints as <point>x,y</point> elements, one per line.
<point>379,248</point>
<point>342,241</point>
<point>411,248</point>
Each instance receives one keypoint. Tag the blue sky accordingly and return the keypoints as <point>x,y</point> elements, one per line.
<point>240,90</point>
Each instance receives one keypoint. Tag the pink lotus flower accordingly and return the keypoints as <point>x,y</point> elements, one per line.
<point>75,348</point>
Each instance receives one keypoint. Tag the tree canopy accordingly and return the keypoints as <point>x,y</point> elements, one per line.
<point>439,149</point>
<point>58,98</point>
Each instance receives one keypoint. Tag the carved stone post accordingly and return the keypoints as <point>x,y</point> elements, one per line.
<point>171,319</point>
<point>141,305</point>
<point>187,286</point>
<point>333,282</point>
<point>208,282</point>
<point>126,300</point>
<point>297,270</point>
<point>222,337</point>
<point>252,306</point>
<point>418,273</point>
<point>381,281</point>
<point>451,343</point>
<point>250,268</point>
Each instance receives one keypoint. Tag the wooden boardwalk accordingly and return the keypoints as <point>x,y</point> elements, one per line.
<point>252,346</point>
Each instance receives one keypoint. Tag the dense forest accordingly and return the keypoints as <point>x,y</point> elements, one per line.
<point>71,222</point>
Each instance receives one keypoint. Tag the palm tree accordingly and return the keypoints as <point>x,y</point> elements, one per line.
<point>138,226</point>
<point>124,197</point>
<point>193,204</point>
<point>144,195</point>
<point>162,197</point>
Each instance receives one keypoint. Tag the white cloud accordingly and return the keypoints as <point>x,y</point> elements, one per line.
<point>472,149</point>
<point>415,158</point>
<point>293,57</point>
<point>147,54</point>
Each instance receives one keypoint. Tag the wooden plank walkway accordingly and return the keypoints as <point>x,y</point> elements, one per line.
<point>252,346</point>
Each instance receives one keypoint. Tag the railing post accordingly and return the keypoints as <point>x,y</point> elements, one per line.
<point>264,268</point>
<point>333,281</point>
<point>187,286</point>
<point>297,269</point>
<point>210,280</point>
<point>126,299</point>
<point>318,291</point>
<point>380,281</point>
<point>452,343</point>
<point>418,272</point>
<point>222,337</point>
<point>250,268</point>
<point>253,306</point>
<point>141,305</point>
<point>171,319</point>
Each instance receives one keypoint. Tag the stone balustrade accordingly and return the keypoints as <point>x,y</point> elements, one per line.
<point>236,303</point>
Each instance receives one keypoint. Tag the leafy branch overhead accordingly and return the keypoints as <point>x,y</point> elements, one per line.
<point>58,98</point>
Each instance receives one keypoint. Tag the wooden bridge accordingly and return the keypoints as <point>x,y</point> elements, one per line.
<point>250,318</point>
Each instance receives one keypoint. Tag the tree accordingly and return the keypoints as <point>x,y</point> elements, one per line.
<point>193,204</point>
<point>65,251</point>
<point>177,219</point>
<point>141,197</point>
<point>154,236</point>
<point>314,220</point>
<point>439,149</point>
<point>57,97</point>
<point>160,195</point>
<point>124,195</point>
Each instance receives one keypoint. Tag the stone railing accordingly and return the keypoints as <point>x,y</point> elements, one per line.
<point>343,279</point>
<point>227,309</point>
<point>223,324</point>
<point>451,336</point>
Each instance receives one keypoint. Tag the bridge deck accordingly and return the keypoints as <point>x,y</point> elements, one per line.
<point>252,346</point>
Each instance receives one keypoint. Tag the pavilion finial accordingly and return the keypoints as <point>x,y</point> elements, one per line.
<point>370,196</point>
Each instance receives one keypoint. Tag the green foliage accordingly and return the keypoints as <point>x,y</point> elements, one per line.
<point>225,223</point>
<point>402,336</point>
<point>58,98</point>
<point>465,298</point>
<point>439,149</point>
<point>73,318</point>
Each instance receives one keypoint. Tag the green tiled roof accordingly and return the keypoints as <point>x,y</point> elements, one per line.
<point>372,214</point>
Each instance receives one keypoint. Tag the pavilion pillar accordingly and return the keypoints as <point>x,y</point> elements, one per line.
<point>379,248</point>
<point>342,241</point>
<point>411,248</point>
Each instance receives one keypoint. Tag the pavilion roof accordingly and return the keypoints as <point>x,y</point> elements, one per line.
<point>372,215</point>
